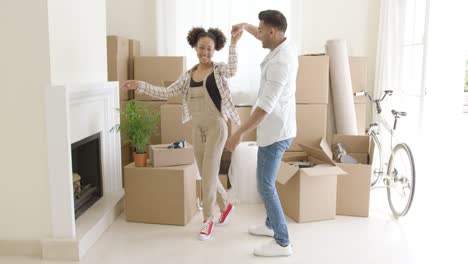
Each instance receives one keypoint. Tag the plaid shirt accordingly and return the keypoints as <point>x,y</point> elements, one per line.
<point>222,71</point>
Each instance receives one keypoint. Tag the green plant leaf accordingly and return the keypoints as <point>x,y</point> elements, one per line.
<point>138,123</point>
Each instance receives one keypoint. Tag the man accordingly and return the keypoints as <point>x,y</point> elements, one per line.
<point>274,116</point>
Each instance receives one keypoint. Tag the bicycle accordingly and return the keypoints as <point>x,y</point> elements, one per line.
<point>399,178</point>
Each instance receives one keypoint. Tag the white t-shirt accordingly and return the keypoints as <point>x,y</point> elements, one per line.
<point>277,95</point>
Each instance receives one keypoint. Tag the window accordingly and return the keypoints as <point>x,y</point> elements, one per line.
<point>176,17</point>
<point>412,51</point>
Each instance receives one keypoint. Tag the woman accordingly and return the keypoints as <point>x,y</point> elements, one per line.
<point>207,102</point>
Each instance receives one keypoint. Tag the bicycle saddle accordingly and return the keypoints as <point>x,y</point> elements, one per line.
<point>398,114</point>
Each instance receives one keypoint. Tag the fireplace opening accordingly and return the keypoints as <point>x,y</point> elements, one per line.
<point>87,178</point>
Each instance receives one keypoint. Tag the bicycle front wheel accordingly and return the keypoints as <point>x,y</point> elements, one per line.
<point>401,180</point>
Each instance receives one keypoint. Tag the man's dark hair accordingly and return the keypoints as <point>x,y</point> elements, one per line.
<point>274,18</point>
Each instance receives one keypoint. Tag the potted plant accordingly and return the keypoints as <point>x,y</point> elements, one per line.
<point>137,125</point>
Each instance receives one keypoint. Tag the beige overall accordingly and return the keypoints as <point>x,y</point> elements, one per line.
<point>209,131</point>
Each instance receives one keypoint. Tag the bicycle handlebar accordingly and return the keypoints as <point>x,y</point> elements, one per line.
<point>376,101</point>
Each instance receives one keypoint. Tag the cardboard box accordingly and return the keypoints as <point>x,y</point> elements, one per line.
<point>154,106</point>
<point>292,156</point>
<point>175,99</point>
<point>223,178</point>
<point>358,70</point>
<point>158,70</point>
<point>311,123</point>
<point>126,157</point>
<point>117,61</point>
<point>353,189</point>
<point>361,118</point>
<point>309,194</point>
<point>122,108</point>
<point>244,114</point>
<point>161,156</point>
<point>133,51</point>
<point>225,162</point>
<point>172,128</point>
<point>164,195</point>
<point>312,82</point>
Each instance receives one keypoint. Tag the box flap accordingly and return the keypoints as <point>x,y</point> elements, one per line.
<point>294,156</point>
<point>322,153</point>
<point>323,170</point>
<point>286,172</point>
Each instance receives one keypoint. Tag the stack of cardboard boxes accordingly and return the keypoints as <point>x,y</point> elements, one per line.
<point>120,54</point>
<point>162,71</point>
<point>327,189</point>
<point>307,194</point>
<point>125,63</point>
<point>164,191</point>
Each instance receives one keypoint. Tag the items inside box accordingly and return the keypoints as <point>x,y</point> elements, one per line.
<point>302,164</point>
<point>339,151</point>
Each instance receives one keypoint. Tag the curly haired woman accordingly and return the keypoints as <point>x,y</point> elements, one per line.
<point>208,103</point>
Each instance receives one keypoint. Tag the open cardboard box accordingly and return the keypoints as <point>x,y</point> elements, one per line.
<point>309,194</point>
<point>353,189</point>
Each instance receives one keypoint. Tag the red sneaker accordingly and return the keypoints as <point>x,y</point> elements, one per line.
<point>206,230</point>
<point>223,219</point>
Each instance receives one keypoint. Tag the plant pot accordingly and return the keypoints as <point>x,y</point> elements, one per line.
<point>140,159</point>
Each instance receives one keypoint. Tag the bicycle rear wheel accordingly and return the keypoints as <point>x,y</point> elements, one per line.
<point>401,180</point>
<point>377,159</point>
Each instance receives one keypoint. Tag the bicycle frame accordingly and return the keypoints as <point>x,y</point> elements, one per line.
<point>381,122</point>
<point>388,173</point>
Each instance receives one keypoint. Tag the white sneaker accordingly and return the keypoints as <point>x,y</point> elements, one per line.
<point>272,249</point>
<point>261,230</point>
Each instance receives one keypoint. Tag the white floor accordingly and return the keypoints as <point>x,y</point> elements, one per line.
<point>435,230</point>
<point>417,238</point>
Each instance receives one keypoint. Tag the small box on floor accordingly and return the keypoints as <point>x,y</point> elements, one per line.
<point>162,156</point>
<point>163,195</point>
<point>308,193</point>
<point>353,189</point>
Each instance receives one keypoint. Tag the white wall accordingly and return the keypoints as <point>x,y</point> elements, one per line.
<point>355,21</point>
<point>78,50</point>
<point>49,42</point>
<point>25,71</point>
<point>135,20</point>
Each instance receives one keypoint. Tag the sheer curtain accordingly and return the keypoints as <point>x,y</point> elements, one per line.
<point>400,63</point>
<point>174,18</point>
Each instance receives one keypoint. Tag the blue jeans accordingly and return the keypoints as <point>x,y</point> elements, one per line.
<point>268,162</point>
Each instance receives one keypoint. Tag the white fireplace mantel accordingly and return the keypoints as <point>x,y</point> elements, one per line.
<point>75,112</point>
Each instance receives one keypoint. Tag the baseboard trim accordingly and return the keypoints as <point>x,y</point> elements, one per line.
<point>31,248</point>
